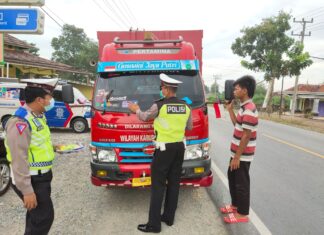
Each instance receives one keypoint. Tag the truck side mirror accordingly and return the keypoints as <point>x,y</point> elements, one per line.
<point>67,94</point>
<point>229,90</point>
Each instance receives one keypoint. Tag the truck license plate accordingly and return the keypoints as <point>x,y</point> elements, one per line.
<point>144,181</point>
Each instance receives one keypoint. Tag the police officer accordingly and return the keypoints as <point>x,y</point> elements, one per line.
<point>171,118</point>
<point>30,153</point>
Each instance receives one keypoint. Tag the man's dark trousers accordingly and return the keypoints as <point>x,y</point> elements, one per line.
<point>239,186</point>
<point>166,167</point>
<point>40,219</point>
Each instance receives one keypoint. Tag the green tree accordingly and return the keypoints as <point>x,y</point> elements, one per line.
<point>33,50</point>
<point>206,89</point>
<point>267,48</point>
<point>214,89</point>
<point>74,48</point>
<point>259,94</point>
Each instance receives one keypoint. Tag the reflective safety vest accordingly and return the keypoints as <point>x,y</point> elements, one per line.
<point>40,150</point>
<point>170,124</point>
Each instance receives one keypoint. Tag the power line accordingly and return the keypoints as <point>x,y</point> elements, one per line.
<point>122,12</point>
<point>105,12</point>
<point>311,12</point>
<point>316,25</point>
<point>116,13</point>
<point>51,17</point>
<point>55,15</point>
<point>318,29</point>
<point>315,57</point>
<point>318,14</point>
<point>129,11</point>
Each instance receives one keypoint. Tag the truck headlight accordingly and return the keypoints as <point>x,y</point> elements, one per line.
<point>107,155</point>
<point>196,151</point>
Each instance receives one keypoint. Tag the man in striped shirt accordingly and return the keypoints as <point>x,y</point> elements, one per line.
<point>242,150</point>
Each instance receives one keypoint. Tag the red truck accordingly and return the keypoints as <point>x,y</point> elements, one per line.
<point>122,146</point>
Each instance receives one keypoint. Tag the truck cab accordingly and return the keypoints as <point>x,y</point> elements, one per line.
<point>122,146</point>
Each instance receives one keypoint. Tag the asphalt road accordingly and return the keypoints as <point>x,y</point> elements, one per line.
<point>287,182</point>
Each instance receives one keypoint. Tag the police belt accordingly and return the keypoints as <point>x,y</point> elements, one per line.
<point>162,145</point>
<point>38,172</point>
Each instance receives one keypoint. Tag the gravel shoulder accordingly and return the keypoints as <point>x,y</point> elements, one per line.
<point>81,208</point>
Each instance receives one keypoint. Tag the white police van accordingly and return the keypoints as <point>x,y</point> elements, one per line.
<point>75,115</point>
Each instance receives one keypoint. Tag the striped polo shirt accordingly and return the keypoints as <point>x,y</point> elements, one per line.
<point>247,118</point>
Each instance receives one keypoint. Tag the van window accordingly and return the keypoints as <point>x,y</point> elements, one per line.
<point>57,95</point>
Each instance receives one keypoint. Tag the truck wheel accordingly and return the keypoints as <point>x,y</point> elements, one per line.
<point>4,121</point>
<point>79,125</point>
<point>4,176</point>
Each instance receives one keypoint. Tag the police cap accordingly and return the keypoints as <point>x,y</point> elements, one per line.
<point>47,85</point>
<point>168,81</point>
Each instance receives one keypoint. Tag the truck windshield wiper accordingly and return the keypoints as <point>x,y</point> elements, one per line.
<point>106,100</point>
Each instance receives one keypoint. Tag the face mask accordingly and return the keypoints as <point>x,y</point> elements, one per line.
<point>50,106</point>
<point>161,94</point>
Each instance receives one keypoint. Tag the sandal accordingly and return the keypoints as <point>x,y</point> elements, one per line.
<point>228,209</point>
<point>231,219</point>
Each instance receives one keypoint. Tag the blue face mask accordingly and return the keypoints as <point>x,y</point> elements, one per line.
<point>50,106</point>
<point>161,94</point>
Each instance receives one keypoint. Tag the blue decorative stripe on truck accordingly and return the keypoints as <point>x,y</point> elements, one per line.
<point>149,65</point>
<point>134,154</point>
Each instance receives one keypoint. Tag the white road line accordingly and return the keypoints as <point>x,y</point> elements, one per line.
<point>254,218</point>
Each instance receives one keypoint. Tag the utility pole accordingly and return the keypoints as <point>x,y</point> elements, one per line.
<point>302,36</point>
<point>216,77</point>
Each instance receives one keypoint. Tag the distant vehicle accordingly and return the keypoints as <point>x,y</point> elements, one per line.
<point>4,169</point>
<point>75,115</point>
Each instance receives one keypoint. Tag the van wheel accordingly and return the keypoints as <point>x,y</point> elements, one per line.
<point>4,121</point>
<point>4,176</point>
<point>79,125</point>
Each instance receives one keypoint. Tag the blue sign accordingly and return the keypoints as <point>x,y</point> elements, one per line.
<point>148,65</point>
<point>21,21</point>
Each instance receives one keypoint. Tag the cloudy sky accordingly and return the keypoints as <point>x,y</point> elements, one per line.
<point>220,20</point>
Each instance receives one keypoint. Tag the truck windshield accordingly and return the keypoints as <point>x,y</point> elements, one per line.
<point>144,88</point>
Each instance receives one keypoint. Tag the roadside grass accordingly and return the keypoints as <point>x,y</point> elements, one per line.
<point>304,123</point>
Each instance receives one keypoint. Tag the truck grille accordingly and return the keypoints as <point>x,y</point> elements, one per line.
<point>134,156</point>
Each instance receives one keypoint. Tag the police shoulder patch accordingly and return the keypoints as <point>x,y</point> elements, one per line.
<point>21,126</point>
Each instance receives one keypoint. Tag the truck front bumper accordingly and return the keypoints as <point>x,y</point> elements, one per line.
<point>195,173</point>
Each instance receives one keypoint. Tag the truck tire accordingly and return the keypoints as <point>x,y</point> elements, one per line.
<point>4,176</point>
<point>79,125</point>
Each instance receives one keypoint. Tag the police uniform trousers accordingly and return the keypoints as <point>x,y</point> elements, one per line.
<point>40,219</point>
<point>165,172</point>
<point>239,187</point>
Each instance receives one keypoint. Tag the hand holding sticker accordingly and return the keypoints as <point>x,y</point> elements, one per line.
<point>133,107</point>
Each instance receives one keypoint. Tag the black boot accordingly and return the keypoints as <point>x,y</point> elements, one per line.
<point>166,221</point>
<point>146,228</point>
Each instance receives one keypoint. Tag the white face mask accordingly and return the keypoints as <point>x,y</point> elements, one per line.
<point>50,106</point>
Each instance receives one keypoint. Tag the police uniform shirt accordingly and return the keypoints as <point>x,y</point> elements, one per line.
<point>18,137</point>
<point>153,112</point>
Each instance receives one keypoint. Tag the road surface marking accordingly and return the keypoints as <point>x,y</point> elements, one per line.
<point>294,146</point>
<point>254,218</point>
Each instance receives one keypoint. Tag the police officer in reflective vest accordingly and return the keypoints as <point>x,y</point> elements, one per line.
<point>30,153</point>
<point>171,118</point>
